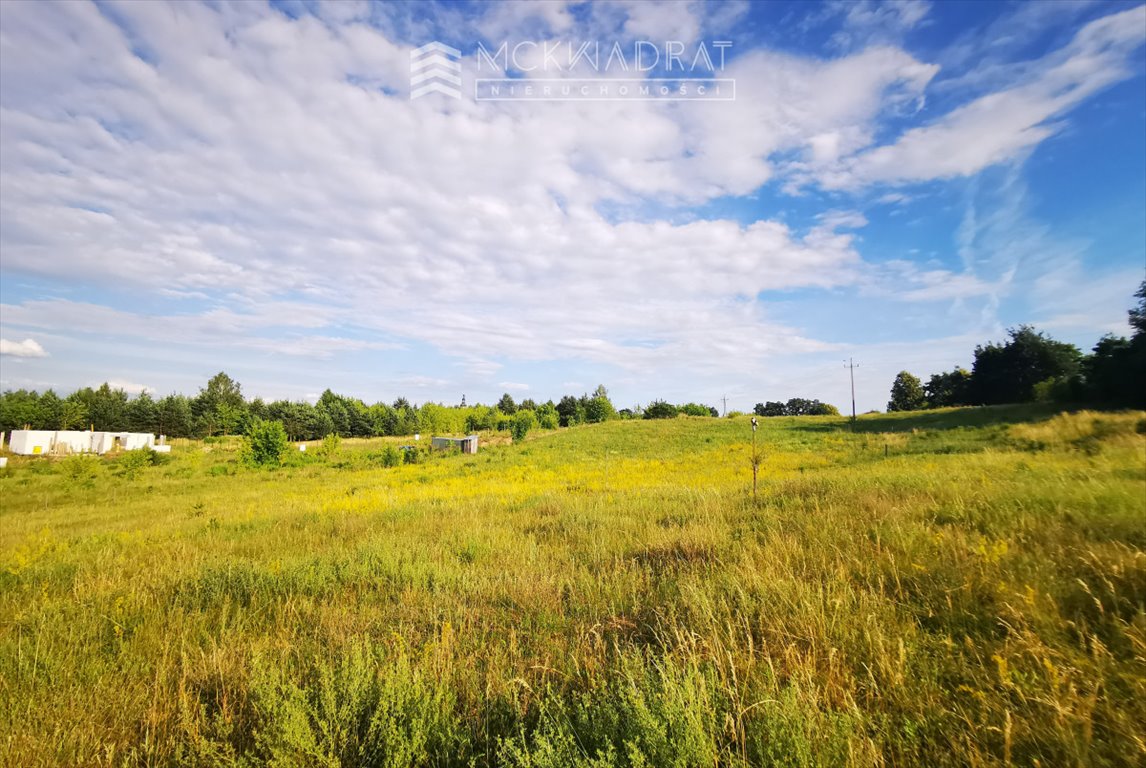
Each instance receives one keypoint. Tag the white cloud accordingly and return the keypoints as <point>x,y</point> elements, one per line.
<point>270,178</point>
<point>1003,125</point>
<point>130,387</point>
<point>906,281</point>
<point>25,348</point>
<point>866,22</point>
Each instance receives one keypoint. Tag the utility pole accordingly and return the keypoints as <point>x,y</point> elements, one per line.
<point>852,370</point>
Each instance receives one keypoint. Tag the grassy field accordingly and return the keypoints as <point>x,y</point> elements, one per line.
<point>959,587</point>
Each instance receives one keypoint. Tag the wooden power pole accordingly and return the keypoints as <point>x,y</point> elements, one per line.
<point>852,370</point>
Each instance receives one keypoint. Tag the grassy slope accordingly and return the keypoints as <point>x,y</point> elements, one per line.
<point>950,588</point>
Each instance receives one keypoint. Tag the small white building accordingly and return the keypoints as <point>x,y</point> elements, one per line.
<point>33,442</point>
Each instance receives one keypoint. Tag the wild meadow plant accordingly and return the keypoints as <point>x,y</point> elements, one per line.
<point>957,587</point>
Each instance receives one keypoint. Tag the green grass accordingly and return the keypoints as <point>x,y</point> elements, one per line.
<point>963,587</point>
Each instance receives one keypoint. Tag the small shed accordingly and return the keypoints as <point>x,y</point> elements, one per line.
<point>467,444</point>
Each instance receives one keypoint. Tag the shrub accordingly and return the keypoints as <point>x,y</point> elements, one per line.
<point>389,456</point>
<point>330,445</point>
<point>132,463</point>
<point>523,421</point>
<point>659,409</point>
<point>80,467</point>
<point>265,444</point>
<point>547,417</point>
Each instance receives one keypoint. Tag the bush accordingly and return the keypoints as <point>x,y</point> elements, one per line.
<point>547,417</point>
<point>80,467</point>
<point>265,444</point>
<point>523,421</point>
<point>389,456</point>
<point>132,463</point>
<point>330,445</point>
<point>659,409</point>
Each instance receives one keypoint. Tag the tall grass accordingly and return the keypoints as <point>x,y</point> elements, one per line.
<point>958,588</point>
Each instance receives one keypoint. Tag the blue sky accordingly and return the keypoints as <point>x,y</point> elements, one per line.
<point>190,188</point>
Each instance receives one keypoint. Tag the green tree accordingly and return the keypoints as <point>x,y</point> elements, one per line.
<point>174,416</point>
<point>1138,314</point>
<point>407,417</point>
<point>801,406</point>
<point>73,414</point>
<point>570,411</point>
<point>770,408</point>
<point>659,409</point>
<point>335,409</point>
<point>383,419</point>
<point>17,408</point>
<point>599,407</point>
<point>944,390</point>
<point>107,408</point>
<point>1134,373</point>
<point>1008,372</point>
<point>547,416</point>
<point>506,404</point>
<point>265,444</point>
<point>1106,370</point>
<point>51,409</point>
<point>522,422</point>
<point>219,407</point>
<point>142,414</point>
<point>906,393</point>
<point>482,418</point>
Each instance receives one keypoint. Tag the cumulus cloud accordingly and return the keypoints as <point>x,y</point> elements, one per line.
<point>1005,124</point>
<point>25,348</point>
<point>265,183</point>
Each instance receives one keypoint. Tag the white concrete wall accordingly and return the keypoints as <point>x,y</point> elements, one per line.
<point>131,441</point>
<point>73,441</point>
<point>102,442</point>
<point>31,442</point>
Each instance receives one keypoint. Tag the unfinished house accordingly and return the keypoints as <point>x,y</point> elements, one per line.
<point>33,442</point>
<point>468,444</point>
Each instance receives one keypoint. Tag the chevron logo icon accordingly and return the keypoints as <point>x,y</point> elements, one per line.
<point>434,68</point>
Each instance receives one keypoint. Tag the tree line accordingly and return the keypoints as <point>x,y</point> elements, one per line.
<point>796,406</point>
<point>1031,367</point>
<point>221,409</point>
